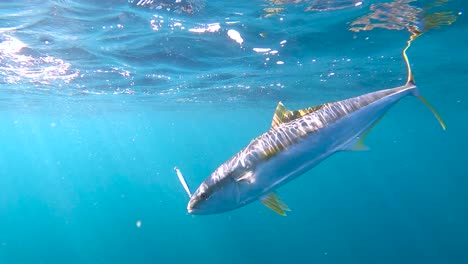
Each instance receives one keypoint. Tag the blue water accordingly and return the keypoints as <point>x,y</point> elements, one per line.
<point>99,100</point>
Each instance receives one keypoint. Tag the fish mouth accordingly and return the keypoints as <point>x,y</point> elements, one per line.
<point>193,210</point>
<point>190,208</point>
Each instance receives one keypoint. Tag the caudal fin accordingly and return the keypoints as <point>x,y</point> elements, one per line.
<point>437,116</point>
<point>410,81</point>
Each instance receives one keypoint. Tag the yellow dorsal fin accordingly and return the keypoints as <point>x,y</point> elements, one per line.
<point>273,202</point>
<point>283,115</point>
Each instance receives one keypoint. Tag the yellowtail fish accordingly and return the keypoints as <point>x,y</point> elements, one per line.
<point>296,142</point>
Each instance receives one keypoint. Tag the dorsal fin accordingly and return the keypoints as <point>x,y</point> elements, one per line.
<point>283,115</point>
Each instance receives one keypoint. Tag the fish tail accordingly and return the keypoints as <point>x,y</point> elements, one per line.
<point>411,83</point>
<point>436,115</point>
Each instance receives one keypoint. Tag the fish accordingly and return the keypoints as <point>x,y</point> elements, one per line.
<point>297,141</point>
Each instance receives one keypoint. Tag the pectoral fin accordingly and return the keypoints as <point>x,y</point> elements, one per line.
<point>272,201</point>
<point>247,177</point>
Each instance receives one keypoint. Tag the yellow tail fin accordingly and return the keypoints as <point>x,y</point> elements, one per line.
<point>415,34</point>
<point>410,81</point>
<point>437,116</point>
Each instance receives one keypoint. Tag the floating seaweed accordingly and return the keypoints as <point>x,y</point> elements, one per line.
<point>399,15</point>
<point>312,5</point>
<point>328,5</point>
<point>179,6</point>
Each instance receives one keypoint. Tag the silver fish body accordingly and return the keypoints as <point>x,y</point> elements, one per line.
<point>290,149</point>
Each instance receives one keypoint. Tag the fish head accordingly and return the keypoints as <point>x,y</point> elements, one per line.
<point>219,193</point>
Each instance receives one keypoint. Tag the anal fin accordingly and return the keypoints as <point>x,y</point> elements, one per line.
<point>359,145</point>
<point>273,202</point>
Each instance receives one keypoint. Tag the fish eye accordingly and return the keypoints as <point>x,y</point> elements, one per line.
<point>203,196</point>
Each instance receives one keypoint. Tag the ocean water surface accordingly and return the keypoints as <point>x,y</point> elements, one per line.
<point>99,100</point>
